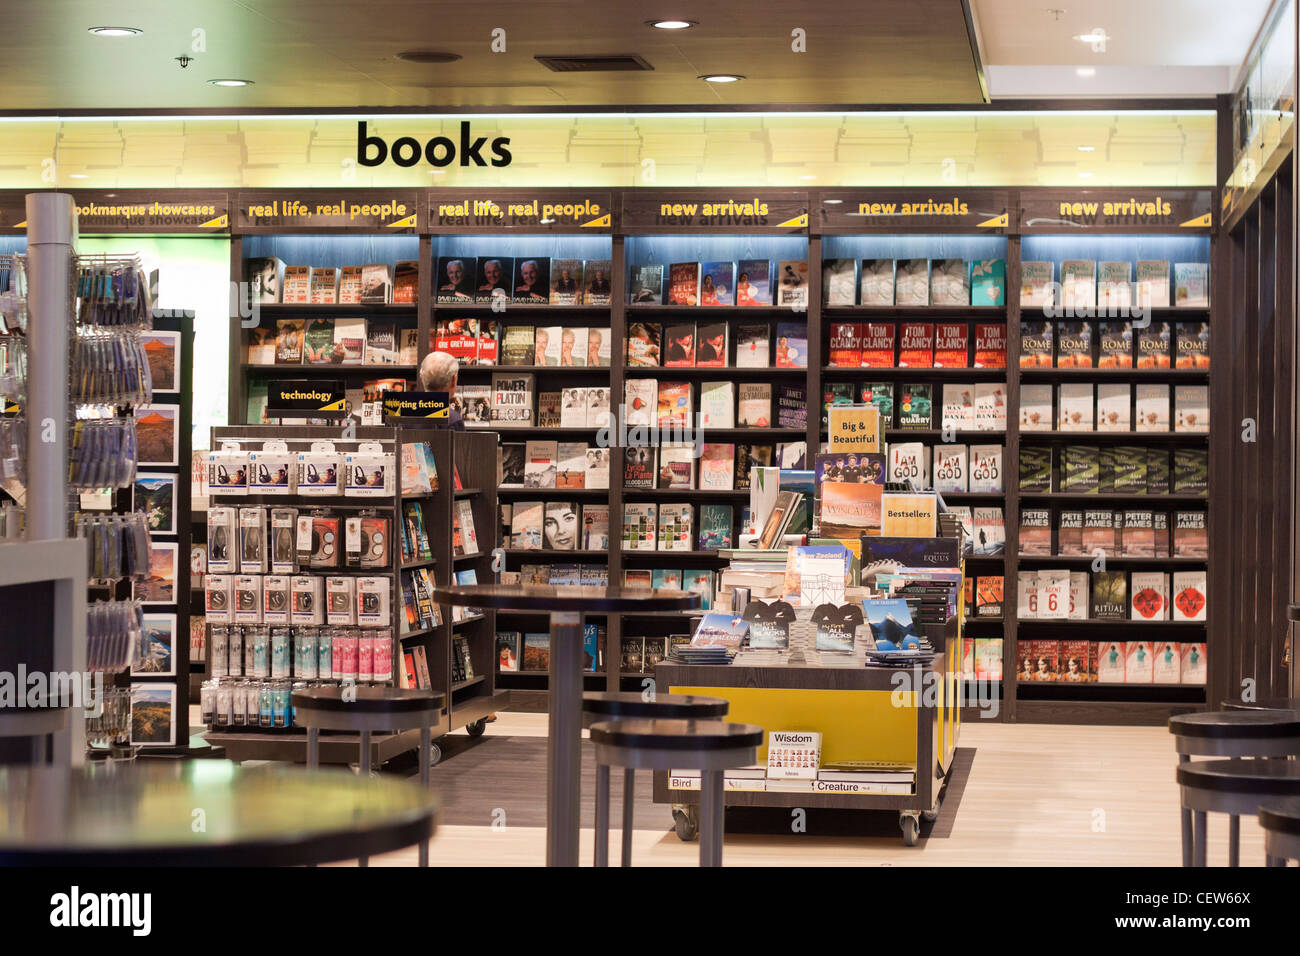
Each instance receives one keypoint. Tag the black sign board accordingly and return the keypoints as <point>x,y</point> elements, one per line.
<point>133,212</point>
<point>518,210</point>
<point>299,398</point>
<point>933,209</point>
<point>1116,210</point>
<point>417,405</point>
<point>393,211</point>
<point>776,211</point>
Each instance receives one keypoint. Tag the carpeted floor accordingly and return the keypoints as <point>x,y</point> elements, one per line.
<point>501,780</point>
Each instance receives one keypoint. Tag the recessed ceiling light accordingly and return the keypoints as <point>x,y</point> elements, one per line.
<point>721,77</point>
<point>1085,175</point>
<point>231,82</point>
<point>1086,149</point>
<point>1086,71</point>
<point>672,24</point>
<point>115,31</point>
<point>428,56</point>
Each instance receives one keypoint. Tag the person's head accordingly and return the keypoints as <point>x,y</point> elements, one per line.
<point>528,272</point>
<point>438,373</point>
<point>717,342</point>
<point>744,278</point>
<point>561,527</point>
<point>567,340</point>
<point>455,272</point>
<point>543,340</point>
<point>492,272</point>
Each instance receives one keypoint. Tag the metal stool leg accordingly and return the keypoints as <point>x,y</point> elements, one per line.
<point>1198,850</point>
<point>313,751</point>
<point>1187,825</point>
<point>602,814</point>
<point>711,818</point>
<point>1234,841</point>
<point>365,775</point>
<point>426,745</point>
<point>629,798</point>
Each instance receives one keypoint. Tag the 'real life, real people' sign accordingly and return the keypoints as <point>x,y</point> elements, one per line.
<point>519,210</point>
<point>330,210</point>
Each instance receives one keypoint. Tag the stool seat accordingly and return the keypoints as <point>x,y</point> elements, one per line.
<point>1264,778</point>
<point>1264,703</point>
<point>367,699</point>
<point>1236,724</point>
<point>631,705</point>
<point>692,735</point>
<point>1281,816</point>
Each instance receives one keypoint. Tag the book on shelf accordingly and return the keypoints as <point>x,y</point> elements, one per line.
<point>1151,407</point>
<point>675,405</point>
<point>878,344</point>
<point>1114,286</point>
<point>1193,346</point>
<point>1114,402</point>
<point>526,525</point>
<point>717,404</point>
<point>1189,594</point>
<point>1109,595</point>
<point>573,408</point>
<point>454,280</point>
<point>950,468</point>
<point>1074,345</point>
<point>753,346</point>
<point>986,469</point>
<point>549,413</point>
<point>464,536</point>
<point>1069,533</point>
<point>791,345</point>
<point>717,466</point>
<point>537,652</point>
<point>845,347</point>
<point>264,277</point>
<point>1115,345</point>
<point>990,406</point>
<point>643,343</point>
<point>877,282</point>
<point>1035,531</point>
<point>951,345</point>
<point>566,282</point>
<point>793,755</point>
<point>957,409</point>
<point>1079,283</point>
<point>541,462</point>
<point>792,406</point>
<point>546,345</point>
<point>1190,538</point>
<point>518,345</point>
<point>598,347</point>
<point>676,527</point>
<point>1153,346</point>
<point>990,345</point>
<point>289,342</point>
<point>715,527</point>
<point>646,286</point>
<point>1191,408</point>
<point>718,283</point>
<point>381,344</point>
<point>679,345</point>
<point>912,282</point>
<point>684,283</point>
<point>406,281</point>
<point>492,279</point>
<point>754,408</point>
<point>754,282</point>
<point>571,464</point>
<point>711,341</point>
<point>1192,285</point>
<point>1036,408</point>
<point>1190,471</point>
<point>1036,343</point>
<point>596,282</point>
<point>640,466</point>
<point>916,345</point>
<point>458,338</point>
<point>1036,284</point>
<point>916,406</point>
<point>510,464</point>
<point>296,285</point>
<point>839,282</point>
<point>792,282</point>
<point>640,526</point>
<point>988,282</point>
<point>560,528</point>
<point>512,398</point>
<point>376,284</point>
<point>989,536</point>
<point>595,527</point>
<point>1074,403</point>
<point>676,466</point>
<point>1149,596</point>
<point>351,285</point>
<point>597,467</point>
<point>261,345</point>
<point>1152,283</point>
<point>949,283</point>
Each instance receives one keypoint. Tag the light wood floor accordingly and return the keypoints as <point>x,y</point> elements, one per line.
<point>1037,795</point>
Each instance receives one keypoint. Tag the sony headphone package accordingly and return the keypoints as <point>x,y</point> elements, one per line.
<point>326,541</point>
<point>307,596</point>
<point>222,534</point>
<point>252,540</point>
<point>248,599</point>
<point>319,470</point>
<point>367,542</point>
<point>217,598</point>
<point>282,547</point>
<point>275,599</point>
<point>228,470</point>
<point>271,471</point>
<point>369,472</point>
<point>340,600</point>
<point>373,601</point>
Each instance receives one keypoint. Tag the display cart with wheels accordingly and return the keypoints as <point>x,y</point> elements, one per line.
<point>862,713</point>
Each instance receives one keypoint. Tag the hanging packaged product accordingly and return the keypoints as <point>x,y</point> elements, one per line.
<point>248,598</point>
<point>382,654</point>
<point>340,599</point>
<point>275,599</point>
<point>228,470</point>
<point>366,538</point>
<point>223,532</point>
<point>271,471</point>
<point>252,540</point>
<point>217,598</point>
<point>308,600</point>
<point>369,472</point>
<point>326,544</point>
<point>373,601</point>
<point>283,552</point>
<point>319,470</point>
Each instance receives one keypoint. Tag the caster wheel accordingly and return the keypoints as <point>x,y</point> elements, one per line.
<point>929,816</point>
<point>911,827</point>
<point>435,755</point>
<point>476,729</point>
<point>687,824</point>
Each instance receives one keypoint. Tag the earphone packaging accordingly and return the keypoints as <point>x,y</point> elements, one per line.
<point>271,471</point>
<point>222,534</point>
<point>283,549</point>
<point>373,602</point>
<point>326,543</point>
<point>307,597</point>
<point>252,540</point>
<point>218,598</point>
<point>248,599</point>
<point>340,600</point>
<point>366,539</point>
<point>228,470</point>
<point>319,470</point>
<point>275,599</point>
<point>369,472</point>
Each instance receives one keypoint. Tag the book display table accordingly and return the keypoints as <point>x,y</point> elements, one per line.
<point>862,713</point>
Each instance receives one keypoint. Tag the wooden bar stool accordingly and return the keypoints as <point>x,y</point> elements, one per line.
<point>709,746</point>
<point>365,710</point>
<point>600,706</point>
<point>1236,787</point>
<point>1281,822</point>
<point>1231,733</point>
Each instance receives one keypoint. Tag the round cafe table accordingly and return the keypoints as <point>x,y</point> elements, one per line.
<point>565,605</point>
<point>203,813</point>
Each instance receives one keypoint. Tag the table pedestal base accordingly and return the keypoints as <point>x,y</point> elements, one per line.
<point>564,742</point>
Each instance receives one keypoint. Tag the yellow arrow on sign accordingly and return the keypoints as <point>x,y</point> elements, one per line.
<point>333,406</point>
<point>603,222</point>
<point>21,225</point>
<point>1198,222</point>
<point>403,223</point>
<point>797,221</point>
<point>221,222</point>
<point>997,222</point>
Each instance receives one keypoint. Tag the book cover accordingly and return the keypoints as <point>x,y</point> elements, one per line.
<point>916,406</point>
<point>598,460</point>
<point>1036,339</point>
<point>1191,471</point>
<point>989,531</point>
<point>493,281</point>
<point>1069,533</point>
<point>264,276</point>
<point>1153,283</point>
<point>1036,408</point>
<point>1114,286</point>
<point>754,282</point>
<point>1113,407</point>
<point>526,521</point>
<point>1153,346</point>
<point>792,407</point>
<point>571,467</point>
<point>1079,284</point>
<point>261,345</point>
<point>985,469</point>
<point>718,283</point>
<point>877,282</point>
<point>1138,538</point>
<point>1115,345</point>
<point>1074,403</point>
<point>376,284</point>
<point>1191,408</point>
<point>518,345</point>
<point>1080,469</point>
<point>1036,284</point>
<point>318,343</point>
<point>916,345</point>
<point>839,282</point>
<point>1192,285</point>
<point>1193,350</point>
<point>647,285</point>
<point>1149,596</point>
<point>509,646</point>
<point>537,652</point>
<point>711,345</point>
<point>454,280</point>
<point>791,345</point>
<point>1151,408</point>
<point>512,398</point>
<point>912,282</point>
<point>950,468</point>
<point>641,401</point>
<point>958,409</point>
<point>541,462</point>
<point>850,509</point>
<point>715,527</point>
<point>1109,595</point>
<point>640,525</point>
<point>1166,663</point>
<point>349,341</point>
<point>640,466</point>
<point>289,342</point>
<point>296,285</point>
<point>560,530</point>
<point>643,343</point>
<point>990,406</point>
<point>717,404</point>
<point>381,343</point>
<point>949,283</point>
<point>951,345</point>
<point>1193,662</point>
<point>990,345</point>
<point>988,282</point>
<point>845,349</point>
<point>547,345</point>
<point>792,282</point>
<point>676,527</point>
<point>324,285</point>
<point>531,281</point>
<point>1035,531</point>
<point>595,282</point>
<point>595,527</point>
<point>350,285</point>
<point>549,412</point>
<point>1035,469</point>
<point>679,344</point>
<point>566,282</point>
<point>881,395</point>
<point>406,281</point>
<point>675,407</point>
<point>676,466</point>
<point>1074,345</point>
<point>684,283</point>
<point>598,347</point>
<point>878,344</point>
<point>1191,539</point>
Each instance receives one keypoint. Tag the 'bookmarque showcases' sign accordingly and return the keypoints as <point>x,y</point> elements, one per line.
<point>158,212</point>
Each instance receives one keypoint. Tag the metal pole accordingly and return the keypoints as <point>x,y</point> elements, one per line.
<point>51,228</point>
<point>564,741</point>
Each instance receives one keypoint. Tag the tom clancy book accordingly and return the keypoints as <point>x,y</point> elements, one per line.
<point>376,284</point>
<point>912,282</point>
<point>916,406</point>
<point>647,285</point>
<point>531,284</point>
<point>643,343</point>
<point>1157,471</point>
<point>792,282</point>
<point>350,285</point>
<point>1153,346</point>
<point>754,282</point>
<point>1036,344</point>
<point>1074,345</point>
<point>517,345</point>
<point>318,342</point>
<point>1191,540</point>
<point>296,285</point>
<point>1069,533</point>
<point>1035,531</point>
<point>718,283</point>
<point>1115,345</point>
<point>454,280</point>
<point>916,345</point>
<point>1191,471</point>
<point>753,346</point>
<point>878,344</point>
<point>839,286</point>
<point>877,282</point>
<point>951,345</point>
<point>1035,469</point>
<point>991,345</point>
<point>596,282</point>
<point>1109,595</point>
<point>949,282</point>
<point>1193,345</point>
<point>684,283</point>
<point>289,342</point>
<point>566,282</point>
<point>324,285</point>
<point>845,349</point>
<point>406,281</point>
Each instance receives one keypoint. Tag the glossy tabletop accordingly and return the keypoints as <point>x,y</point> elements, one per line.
<point>565,598</point>
<point>1264,703</point>
<point>203,813</point>
<point>1261,777</point>
<point>368,699</point>
<point>1254,724</point>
